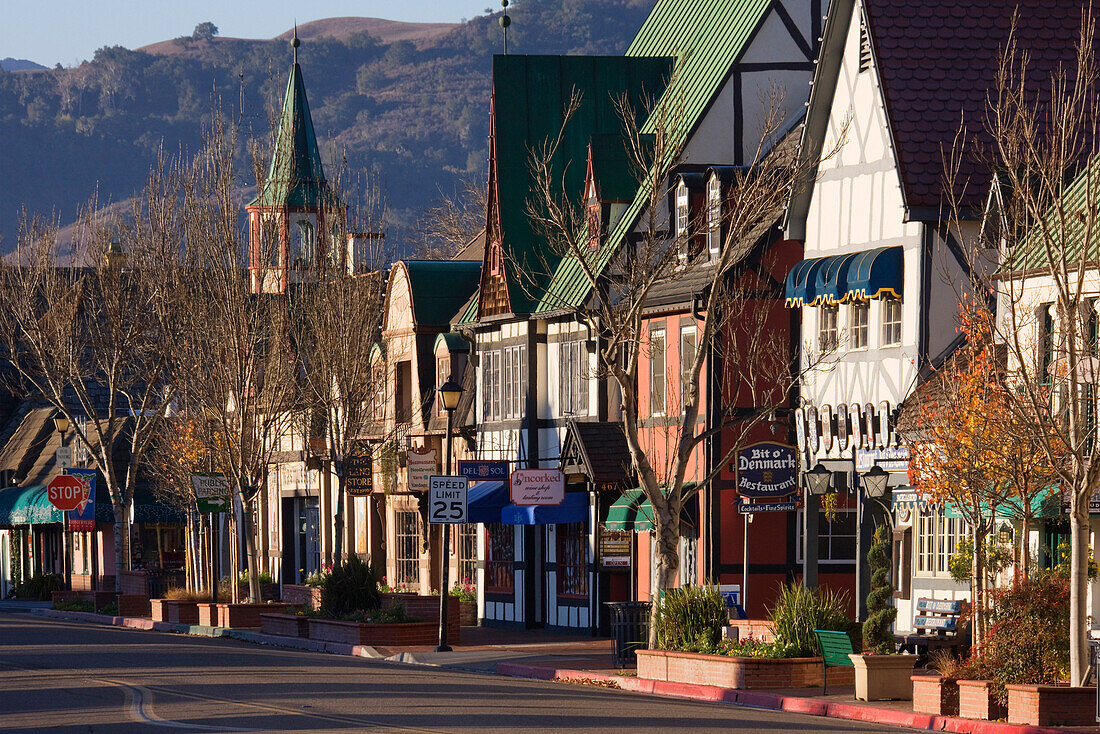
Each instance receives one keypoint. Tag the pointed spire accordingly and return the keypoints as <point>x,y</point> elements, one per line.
<point>295,43</point>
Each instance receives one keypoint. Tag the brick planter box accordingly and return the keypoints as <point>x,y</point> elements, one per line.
<point>245,615</point>
<point>731,672</point>
<point>208,614</point>
<point>99,599</point>
<point>133,605</point>
<point>976,701</point>
<point>934,694</point>
<point>467,613</point>
<point>284,625</point>
<point>176,612</point>
<point>426,609</point>
<point>367,633</point>
<point>306,597</point>
<point>1051,705</point>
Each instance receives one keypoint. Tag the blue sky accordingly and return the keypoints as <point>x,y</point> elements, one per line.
<point>69,31</point>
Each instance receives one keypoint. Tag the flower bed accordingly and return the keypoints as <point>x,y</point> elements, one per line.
<point>245,615</point>
<point>977,700</point>
<point>935,694</point>
<point>370,633</point>
<point>306,597</point>
<point>284,625</point>
<point>426,609</point>
<point>737,672</point>
<point>1039,705</point>
<point>174,611</point>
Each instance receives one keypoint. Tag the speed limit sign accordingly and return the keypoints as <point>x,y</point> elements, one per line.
<point>447,499</point>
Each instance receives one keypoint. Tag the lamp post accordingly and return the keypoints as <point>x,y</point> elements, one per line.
<point>449,394</point>
<point>61,423</point>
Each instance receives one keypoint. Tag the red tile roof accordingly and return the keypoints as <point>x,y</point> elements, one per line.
<point>937,61</point>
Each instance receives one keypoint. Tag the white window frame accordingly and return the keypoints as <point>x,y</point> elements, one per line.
<point>714,216</point>
<point>490,385</point>
<point>802,530</point>
<point>683,221</point>
<point>828,328</point>
<point>514,387</point>
<point>573,377</point>
<point>891,321</point>
<point>859,317</point>
<point>658,345</point>
<point>935,539</point>
<point>687,333</point>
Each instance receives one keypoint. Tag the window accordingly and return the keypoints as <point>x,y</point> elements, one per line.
<point>515,381</point>
<point>683,215</point>
<point>714,216</point>
<point>657,386</point>
<point>407,554</point>
<point>269,241</point>
<point>499,556</point>
<point>689,559</point>
<point>573,378</point>
<point>1046,342</point>
<point>859,312</point>
<point>466,544</point>
<point>573,559</point>
<point>836,540</point>
<point>827,336</point>
<point>891,321</point>
<point>490,385</point>
<point>442,374</point>
<point>303,250</point>
<point>378,397</point>
<point>937,538</point>
<point>403,392</point>
<point>688,338</point>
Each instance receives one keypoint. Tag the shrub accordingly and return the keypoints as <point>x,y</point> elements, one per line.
<point>180,594</point>
<point>799,611</point>
<point>39,587</point>
<point>111,610</point>
<point>76,605</point>
<point>751,647</point>
<point>351,586</point>
<point>880,614</point>
<point>690,619</point>
<point>464,590</point>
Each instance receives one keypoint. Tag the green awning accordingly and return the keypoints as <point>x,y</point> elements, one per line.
<point>621,514</point>
<point>27,506</point>
<point>646,516</point>
<point>1043,504</point>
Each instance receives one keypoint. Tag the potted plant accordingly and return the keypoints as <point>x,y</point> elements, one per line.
<point>880,674</point>
<point>465,593</point>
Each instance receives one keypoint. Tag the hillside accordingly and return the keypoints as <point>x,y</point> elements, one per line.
<point>404,104</point>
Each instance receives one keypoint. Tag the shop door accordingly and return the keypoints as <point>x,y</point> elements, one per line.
<point>309,541</point>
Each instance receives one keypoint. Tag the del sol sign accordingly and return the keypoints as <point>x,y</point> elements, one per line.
<point>766,470</point>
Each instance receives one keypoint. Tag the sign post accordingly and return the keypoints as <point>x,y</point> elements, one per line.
<point>447,500</point>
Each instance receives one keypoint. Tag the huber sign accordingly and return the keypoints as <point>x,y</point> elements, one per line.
<point>766,470</point>
<point>67,492</point>
<point>538,487</point>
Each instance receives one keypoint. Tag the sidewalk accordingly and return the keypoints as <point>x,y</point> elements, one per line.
<point>587,660</point>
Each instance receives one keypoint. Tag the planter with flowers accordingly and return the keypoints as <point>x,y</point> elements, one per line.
<point>880,675</point>
<point>465,593</point>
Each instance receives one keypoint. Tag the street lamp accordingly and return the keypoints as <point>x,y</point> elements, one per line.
<point>61,423</point>
<point>818,479</point>
<point>449,394</point>
<point>875,481</point>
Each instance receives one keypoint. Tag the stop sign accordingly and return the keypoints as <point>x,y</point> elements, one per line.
<point>66,492</point>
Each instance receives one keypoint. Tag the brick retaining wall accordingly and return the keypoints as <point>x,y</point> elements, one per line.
<point>740,673</point>
<point>1051,705</point>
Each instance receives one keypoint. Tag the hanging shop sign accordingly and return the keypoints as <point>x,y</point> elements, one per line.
<point>614,548</point>
<point>828,431</point>
<point>482,470</point>
<point>82,517</point>
<point>842,429</point>
<point>813,435</point>
<point>359,475</point>
<point>855,416</point>
<point>765,470</point>
<point>422,464</point>
<point>211,492</point>
<point>884,434</point>
<point>537,486</point>
<point>892,458</point>
<point>870,426</point>
<point>800,429</point>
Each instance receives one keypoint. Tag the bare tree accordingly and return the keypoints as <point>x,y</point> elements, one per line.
<point>87,330</point>
<point>1041,149</point>
<point>735,314</point>
<point>453,221</point>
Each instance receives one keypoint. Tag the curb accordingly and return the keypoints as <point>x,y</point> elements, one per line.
<point>773,701</point>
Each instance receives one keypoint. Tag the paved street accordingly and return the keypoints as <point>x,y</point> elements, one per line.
<point>64,676</point>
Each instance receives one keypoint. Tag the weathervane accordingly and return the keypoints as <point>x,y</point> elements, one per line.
<point>295,43</point>
<point>505,21</point>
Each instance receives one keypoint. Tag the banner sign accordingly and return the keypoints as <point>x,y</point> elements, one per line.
<point>894,458</point>
<point>767,507</point>
<point>537,487</point>
<point>211,492</point>
<point>422,464</point>
<point>481,470</point>
<point>82,518</point>
<point>359,475</point>
<point>614,548</point>
<point>766,470</point>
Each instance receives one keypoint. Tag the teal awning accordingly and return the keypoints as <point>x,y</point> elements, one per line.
<point>646,517</point>
<point>1044,504</point>
<point>621,514</point>
<point>27,506</point>
<point>876,273</point>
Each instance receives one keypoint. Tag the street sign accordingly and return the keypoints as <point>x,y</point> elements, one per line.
<point>67,492</point>
<point>769,507</point>
<point>481,470</point>
<point>82,517</point>
<point>447,499</point>
<point>63,457</point>
<point>359,475</point>
<point>537,486</point>
<point>211,492</point>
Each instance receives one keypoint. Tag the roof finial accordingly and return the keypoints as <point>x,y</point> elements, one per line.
<point>295,43</point>
<point>505,21</point>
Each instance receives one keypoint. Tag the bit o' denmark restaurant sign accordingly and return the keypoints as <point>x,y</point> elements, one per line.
<point>766,470</point>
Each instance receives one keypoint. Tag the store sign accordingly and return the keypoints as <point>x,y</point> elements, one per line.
<point>731,594</point>
<point>422,464</point>
<point>614,548</point>
<point>359,475</point>
<point>211,492</point>
<point>537,486</point>
<point>292,476</point>
<point>82,518</point>
<point>766,470</point>
<point>767,507</point>
<point>480,470</point>
<point>894,458</point>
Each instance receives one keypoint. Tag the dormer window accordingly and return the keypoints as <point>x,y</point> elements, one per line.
<point>303,250</point>
<point>714,216</point>
<point>683,221</point>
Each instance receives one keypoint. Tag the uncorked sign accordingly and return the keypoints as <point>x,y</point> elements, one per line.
<point>766,470</point>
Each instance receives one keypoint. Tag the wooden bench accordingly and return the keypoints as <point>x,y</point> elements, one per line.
<point>835,648</point>
<point>938,626</point>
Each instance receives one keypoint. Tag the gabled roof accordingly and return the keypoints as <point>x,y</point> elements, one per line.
<point>439,288</point>
<point>612,168</point>
<point>296,177</point>
<point>707,37</point>
<point>530,95</point>
<point>600,449</point>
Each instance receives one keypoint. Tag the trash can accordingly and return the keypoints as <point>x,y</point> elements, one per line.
<point>630,628</point>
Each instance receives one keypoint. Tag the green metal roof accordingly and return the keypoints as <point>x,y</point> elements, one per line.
<point>611,165</point>
<point>707,37</point>
<point>296,176</point>
<point>530,94</point>
<point>1068,218</point>
<point>456,343</point>
<point>439,288</point>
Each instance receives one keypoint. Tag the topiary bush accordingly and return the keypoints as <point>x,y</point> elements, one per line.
<point>877,636</point>
<point>39,587</point>
<point>349,587</point>
<point>690,619</point>
<point>799,611</point>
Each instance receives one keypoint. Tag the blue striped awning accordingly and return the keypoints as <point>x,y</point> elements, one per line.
<point>831,284</point>
<point>876,273</point>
